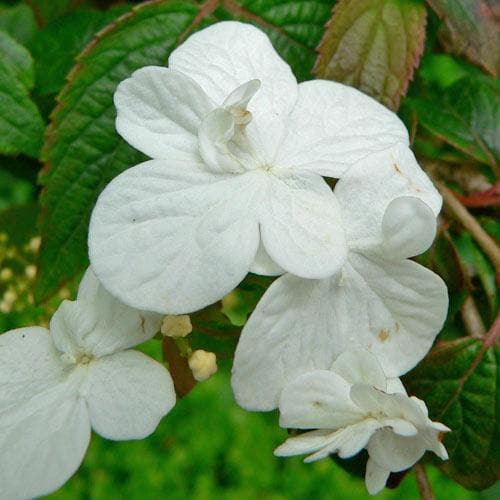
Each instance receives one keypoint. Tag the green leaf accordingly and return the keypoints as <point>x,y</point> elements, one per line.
<point>21,126</point>
<point>458,381</point>
<point>56,46</point>
<point>465,115</point>
<point>473,28</point>
<point>18,59</point>
<point>373,45</point>
<point>83,152</point>
<point>48,10</point>
<point>19,22</point>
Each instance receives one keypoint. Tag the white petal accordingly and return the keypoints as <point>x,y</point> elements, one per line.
<point>264,265</point>
<point>395,452</point>
<point>304,443</point>
<point>167,238</point>
<point>300,325</point>
<point>159,112</point>
<point>128,394</point>
<point>348,441</point>
<point>332,126</point>
<point>408,228</point>
<point>389,299</point>
<point>394,385</point>
<point>301,226</point>
<point>375,477</point>
<point>29,363</point>
<point>358,366</point>
<point>317,400</point>
<point>44,425</point>
<point>365,192</point>
<point>225,55</point>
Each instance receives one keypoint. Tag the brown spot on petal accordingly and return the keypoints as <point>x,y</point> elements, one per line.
<point>383,335</point>
<point>396,168</point>
<point>396,327</point>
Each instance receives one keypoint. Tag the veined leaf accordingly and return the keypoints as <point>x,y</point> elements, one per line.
<point>48,10</point>
<point>18,21</point>
<point>18,59</point>
<point>474,30</point>
<point>83,152</point>
<point>373,45</point>
<point>459,382</point>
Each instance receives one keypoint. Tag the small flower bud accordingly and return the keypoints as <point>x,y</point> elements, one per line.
<point>10,296</point>
<point>30,271</point>
<point>203,364</point>
<point>34,244</point>
<point>176,326</point>
<point>5,307</point>
<point>6,274</point>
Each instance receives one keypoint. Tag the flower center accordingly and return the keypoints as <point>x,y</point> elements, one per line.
<point>76,358</point>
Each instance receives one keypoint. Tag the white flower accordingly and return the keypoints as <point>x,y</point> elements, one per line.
<point>380,301</point>
<point>354,406</point>
<point>235,183</point>
<point>55,386</point>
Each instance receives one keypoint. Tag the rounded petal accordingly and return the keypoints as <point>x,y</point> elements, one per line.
<point>366,191</point>
<point>264,265</point>
<point>332,126</point>
<point>159,112</point>
<point>44,425</point>
<point>226,55</point>
<point>128,394</point>
<point>301,226</point>
<point>394,452</point>
<point>286,336</point>
<point>165,237</point>
<point>304,443</point>
<point>29,363</point>
<point>408,228</point>
<point>318,399</point>
<point>358,366</point>
<point>375,477</point>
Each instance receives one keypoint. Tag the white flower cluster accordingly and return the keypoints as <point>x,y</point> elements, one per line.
<point>235,185</point>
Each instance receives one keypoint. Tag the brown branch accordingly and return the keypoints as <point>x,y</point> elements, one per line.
<point>494,333</point>
<point>423,484</point>
<point>472,319</point>
<point>458,211</point>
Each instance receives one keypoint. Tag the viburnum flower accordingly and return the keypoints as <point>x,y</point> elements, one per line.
<point>235,183</point>
<point>56,385</point>
<point>353,406</point>
<point>381,301</point>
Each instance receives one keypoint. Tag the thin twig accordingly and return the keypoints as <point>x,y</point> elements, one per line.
<point>472,319</point>
<point>484,240</point>
<point>424,486</point>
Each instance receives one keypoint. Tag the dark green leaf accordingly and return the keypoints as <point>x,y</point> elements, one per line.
<point>473,30</point>
<point>56,46</point>
<point>458,381</point>
<point>21,126</point>
<point>18,59</point>
<point>373,45</point>
<point>83,151</point>
<point>48,10</point>
<point>19,22</point>
<point>466,115</point>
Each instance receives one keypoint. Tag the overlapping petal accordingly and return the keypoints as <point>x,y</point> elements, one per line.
<point>225,55</point>
<point>168,238</point>
<point>159,111</point>
<point>128,393</point>
<point>332,126</point>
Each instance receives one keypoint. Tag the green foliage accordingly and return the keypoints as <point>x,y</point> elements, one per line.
<point>374,46</point>
<point>473,30</point>
<point>48,10</point>
<point>21,126</point>
<point>466,115</point>
<point>458,381</point>
<point>18,21</point>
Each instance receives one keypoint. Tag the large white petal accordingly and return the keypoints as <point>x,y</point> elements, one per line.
<point>225,55</point>
<point>317,400</point>
<point>358,366</point>
<point>264,265</point>
<point>128,393</point>
<point>366,191</point>
<point>304,443</point>
<point>159,112</point>
<point>332,126</point>
<point>301,226</point>
<point>45,433</point>
<point>100,324</point>
<point>29,363</point>
<point>301,325</point>
<point>169,239</point>
<point>375,477</point>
